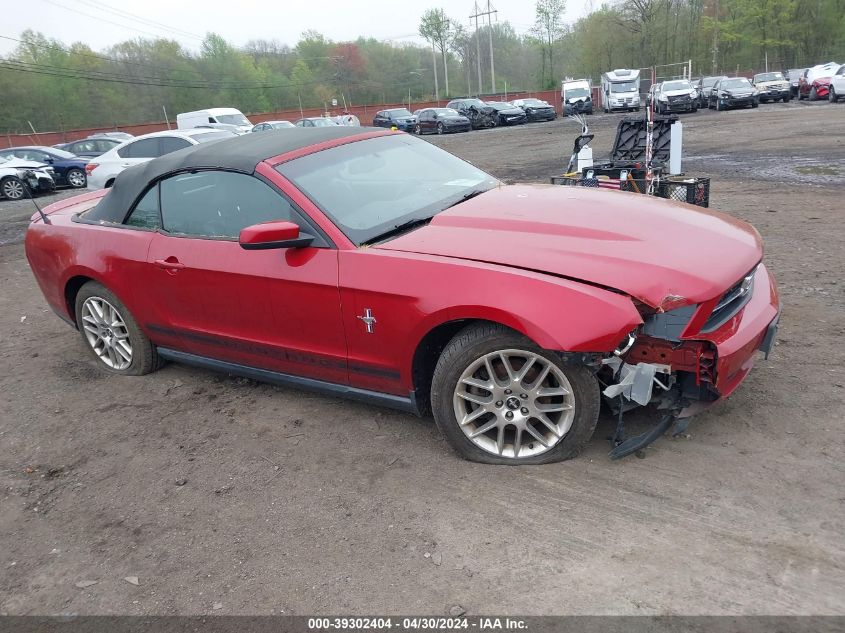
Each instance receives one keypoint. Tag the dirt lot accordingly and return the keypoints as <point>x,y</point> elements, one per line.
<point>298,503</point>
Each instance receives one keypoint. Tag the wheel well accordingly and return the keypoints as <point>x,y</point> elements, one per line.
<point>71,290</point>
<point>109,183</point>
<point>425,359</point>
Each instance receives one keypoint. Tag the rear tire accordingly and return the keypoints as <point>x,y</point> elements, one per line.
<point>76,178</point>
<point>440,128</point>
<point>418,130</point>
<point>13,188</point>
<point>572,414</point>
<point>112,334</point>
<point>831,95</point>
<point>814,96</point>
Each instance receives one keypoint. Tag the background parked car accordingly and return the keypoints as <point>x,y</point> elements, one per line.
<point>314,121</point>
<point>703,86</point>
<point>272,125</point>
<point>676,95</point>
<point>441,121</point>
<point>815,81</point>
<point>122,136</point>
<point>400,118</point>
<point>733,92</point>
<point>772,87</point>
<point>837,85</point>
<point>69,169</point>
<point>793,75</point>
<point>101,174</point>
<point>90,147</point>
<point>507,114</point>
<point>537,110</point>
<point>16,174</point>
<point>479,113</point>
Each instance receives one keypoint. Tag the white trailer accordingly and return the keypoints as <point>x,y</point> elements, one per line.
<point>620,90</point>
<point>219,118</point>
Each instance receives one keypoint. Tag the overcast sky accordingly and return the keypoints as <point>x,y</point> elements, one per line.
<point>100,23</point>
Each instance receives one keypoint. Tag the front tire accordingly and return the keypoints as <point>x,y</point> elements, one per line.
<point>76,178</point>
<point>831,95</point>
<point>418,130</point>
<point>112,334</point>
<point>500,399</point>
<point>814,96</point>
<point>13,188</point>
<point>440,128</point>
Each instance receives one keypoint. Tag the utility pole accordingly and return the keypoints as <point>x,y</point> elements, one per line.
<point>477,46</point>
<point>716,38</point>
<point>489,13</point>
<point>434,66</point>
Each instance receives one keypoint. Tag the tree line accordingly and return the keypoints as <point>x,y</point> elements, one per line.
<point>52,85</point>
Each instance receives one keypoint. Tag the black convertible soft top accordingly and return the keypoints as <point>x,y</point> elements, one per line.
<point>242,153</point>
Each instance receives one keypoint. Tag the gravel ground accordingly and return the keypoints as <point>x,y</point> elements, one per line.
<point>227,496</point>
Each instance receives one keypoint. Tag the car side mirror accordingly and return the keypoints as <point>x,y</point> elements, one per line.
<point>48,160</point>
<point>276,234</point>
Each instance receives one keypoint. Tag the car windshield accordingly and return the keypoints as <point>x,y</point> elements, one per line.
<point>535,102</point>
<point>682,84</point>
<point>574,93</point>
<point>768,77</point>
<point>233,119</point>
<point>446,112</point>
<point>499,105</point>
<point>737,82</point>
<point>213,136</point>
<point>398,114</point>
<point>623,86</point>
<point>478,103</point>
<point>370,188</point>
<point>708,82</point>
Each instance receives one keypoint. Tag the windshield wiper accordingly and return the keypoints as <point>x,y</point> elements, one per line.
<point>402,227</point>
<point>465,197</point>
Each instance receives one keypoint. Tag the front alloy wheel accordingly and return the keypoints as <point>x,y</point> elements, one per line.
<point>13,188</point>
<point>499,399</point>
<point>514,403</point>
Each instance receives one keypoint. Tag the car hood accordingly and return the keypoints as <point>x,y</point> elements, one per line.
<point>677,93</point>
<point>774,83</point>
<point>21,163</point>
<point>665,254</point>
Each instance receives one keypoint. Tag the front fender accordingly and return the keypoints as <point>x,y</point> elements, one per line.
<point>411,294</point>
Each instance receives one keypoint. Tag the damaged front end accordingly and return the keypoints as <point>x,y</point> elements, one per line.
<point>683,358</point>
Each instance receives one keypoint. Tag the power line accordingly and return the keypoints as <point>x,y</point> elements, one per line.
<point>101,19</point>
<point>131,16</point>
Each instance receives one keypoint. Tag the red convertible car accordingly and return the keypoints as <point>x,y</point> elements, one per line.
<point>371,264</point>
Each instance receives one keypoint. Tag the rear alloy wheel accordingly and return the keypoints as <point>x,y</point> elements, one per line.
<point>499,399</point>
<point>13,188</point>
<point>418,130</point>
<point>112,334</point>
<point>76,178</point>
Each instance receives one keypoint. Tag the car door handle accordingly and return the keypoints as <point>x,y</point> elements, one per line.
<point>170,263</point>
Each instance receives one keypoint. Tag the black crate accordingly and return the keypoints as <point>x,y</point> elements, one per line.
<point>690,190</point>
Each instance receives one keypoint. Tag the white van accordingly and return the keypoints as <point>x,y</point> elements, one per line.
<point>220,118</point>
<point>576,97</point>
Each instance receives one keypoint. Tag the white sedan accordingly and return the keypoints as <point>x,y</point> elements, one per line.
<point>103,169</point>
<point>837,85</point>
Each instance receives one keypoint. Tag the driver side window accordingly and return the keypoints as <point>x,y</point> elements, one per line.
<point>219,204</point>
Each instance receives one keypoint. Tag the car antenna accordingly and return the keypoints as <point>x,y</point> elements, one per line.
<point>44,217</point>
